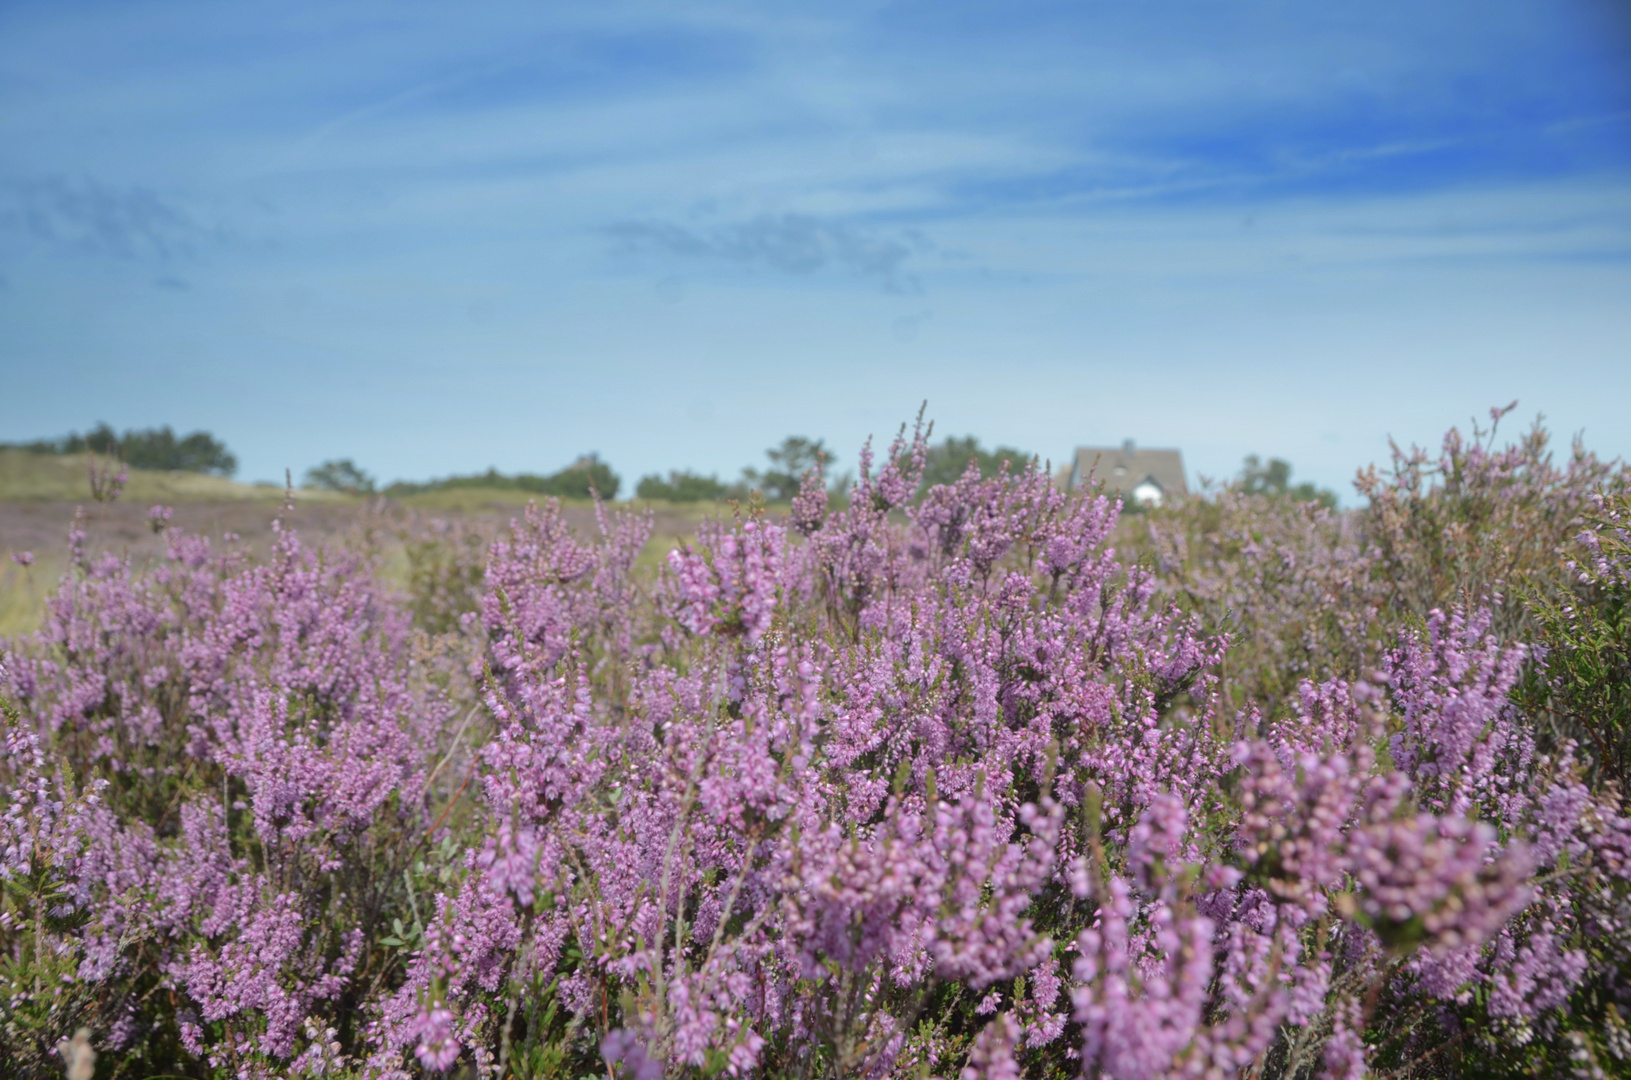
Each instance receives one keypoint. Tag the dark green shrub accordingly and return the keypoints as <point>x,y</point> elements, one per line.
<point>788,463</point>
<point>577,481</point>
<point>341,474</point>
<point>681,486</point>
<point>158,449</point>
<point>1273,478</point>
<point>947,460</point>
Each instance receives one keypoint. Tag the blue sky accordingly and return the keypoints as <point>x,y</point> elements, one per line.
<point>437,237</point>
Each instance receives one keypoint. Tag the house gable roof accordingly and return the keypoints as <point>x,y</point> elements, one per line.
<point>1122,468</point>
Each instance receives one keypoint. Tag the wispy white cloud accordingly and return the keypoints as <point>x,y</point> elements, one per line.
<point>787,243</point>
<point>85,215</point>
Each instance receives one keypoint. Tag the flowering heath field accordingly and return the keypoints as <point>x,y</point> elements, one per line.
<point>986,779</point>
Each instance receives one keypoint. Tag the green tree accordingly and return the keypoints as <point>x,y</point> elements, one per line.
<point>159,449</point>
<point>585,476</point>
<point>1273,478</point>
<point>948,460</point>
<point>341,474</point>
<point>788,464</point>
<point>680,486</point>
<point>573,482</point>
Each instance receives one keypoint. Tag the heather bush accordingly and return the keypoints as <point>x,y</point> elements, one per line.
<point>1583,687</point>
<point>446,567</point>
<point>1293,583</point>
<point>1307,592</point>
<point>221,772</point>
<point>1477,522</point>
<point>935,781</point>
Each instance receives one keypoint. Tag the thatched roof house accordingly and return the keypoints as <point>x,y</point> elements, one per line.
<point>1148,477</point>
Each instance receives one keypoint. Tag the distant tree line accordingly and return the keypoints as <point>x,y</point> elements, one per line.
<point>947,461</point>
<point>777,482</point>
<point>682,486</point>
<point>159,449</point>
<point>576,481</point>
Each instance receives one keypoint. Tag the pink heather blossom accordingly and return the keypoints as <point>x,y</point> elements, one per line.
<point>992,1057</point>
<point>624,1049</point>
<point>437,1049</point>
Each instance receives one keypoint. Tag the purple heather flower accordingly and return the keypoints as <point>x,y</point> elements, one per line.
<point>624,1048</point>
<point>437,1049</point>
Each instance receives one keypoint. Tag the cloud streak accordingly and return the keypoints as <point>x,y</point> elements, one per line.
<point>792,244</point>
<point>87,216</point>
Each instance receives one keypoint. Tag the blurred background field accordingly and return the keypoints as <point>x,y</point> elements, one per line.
<point>424,534</point>
<point>35,477</point>
<point>41,493</point>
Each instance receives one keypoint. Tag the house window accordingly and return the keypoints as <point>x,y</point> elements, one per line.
<point>1147,492</point>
